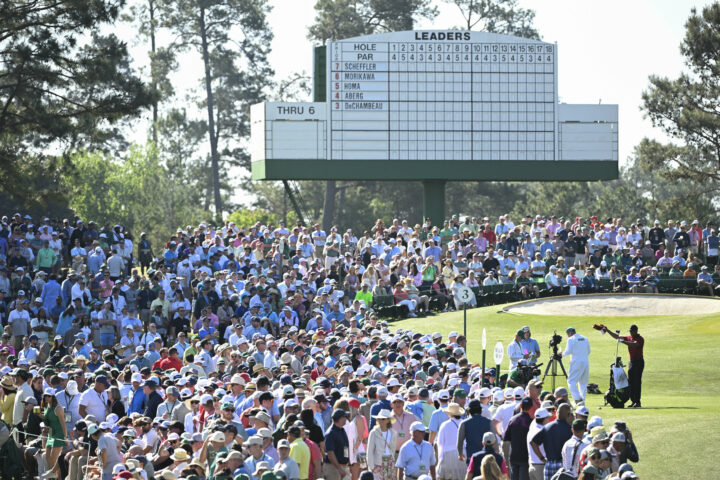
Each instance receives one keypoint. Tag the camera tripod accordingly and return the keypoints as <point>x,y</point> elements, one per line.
<point>552,368</point>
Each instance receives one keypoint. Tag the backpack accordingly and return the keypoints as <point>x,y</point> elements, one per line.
<point>564,474</point>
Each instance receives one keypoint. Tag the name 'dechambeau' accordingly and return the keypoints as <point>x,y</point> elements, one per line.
<point>363,106</point>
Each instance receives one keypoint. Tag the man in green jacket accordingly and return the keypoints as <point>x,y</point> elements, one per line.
<point>46,258</point>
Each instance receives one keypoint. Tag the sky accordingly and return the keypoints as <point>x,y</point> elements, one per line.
<point>606,50</point>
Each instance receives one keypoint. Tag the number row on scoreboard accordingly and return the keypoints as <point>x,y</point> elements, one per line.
<point>452,57</point>
<point>468,48</point>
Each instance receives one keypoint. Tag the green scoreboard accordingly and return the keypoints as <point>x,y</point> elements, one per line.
<point>435,106</point>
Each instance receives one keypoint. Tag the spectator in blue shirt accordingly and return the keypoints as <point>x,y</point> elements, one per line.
<point>318,322</point>
<point>432,251</point>
<point>337,446</point>
<point>208,331</point>
<point>589,282</point>
<point>705,281</point>
<point>254,328</point>
<point>633,279</point>
<point>170,256</point>
<point>137,398</point>
<point>95,260</point>
<point>553,436</point>
<point>382,404</point>
<point>530,345</point>
<point>546,245</point>
<point>335,313</point>
<point>712,245</point>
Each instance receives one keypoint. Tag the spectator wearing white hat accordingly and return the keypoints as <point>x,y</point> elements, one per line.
<point>19,320</point>
<point>383,403</point>
<point>622,448</point>
<point>439,416</point>
<point>505,411</point>
<point>108,452</point>
<point>41,325</point>
<point>381,452</point>
<point>705,281</point>
<point>285,464</point>
<point>69,399</point>
<point>403,420</point>
<point>180,460</point>
<point>553,437</point>
<point>416,457</point>
<point>451,466</point>
<point>535,465</point>
<point>553,282</point>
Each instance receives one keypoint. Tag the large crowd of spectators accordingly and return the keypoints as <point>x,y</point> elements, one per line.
<point>256,351</point>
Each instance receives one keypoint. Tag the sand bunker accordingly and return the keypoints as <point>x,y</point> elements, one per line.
<point>618,305</point>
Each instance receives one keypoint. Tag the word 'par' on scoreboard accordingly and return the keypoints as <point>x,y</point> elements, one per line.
<point>442,96</point>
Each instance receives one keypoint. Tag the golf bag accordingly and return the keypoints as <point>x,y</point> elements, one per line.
<point>619,390</point>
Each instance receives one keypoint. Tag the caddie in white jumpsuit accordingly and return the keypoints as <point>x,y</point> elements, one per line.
<point>579,371</point>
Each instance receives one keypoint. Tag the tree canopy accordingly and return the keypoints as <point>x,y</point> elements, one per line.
<point>687,109</point>
<point>64,84</point>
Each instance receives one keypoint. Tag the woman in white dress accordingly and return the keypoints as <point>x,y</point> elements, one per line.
<point>381,447</point>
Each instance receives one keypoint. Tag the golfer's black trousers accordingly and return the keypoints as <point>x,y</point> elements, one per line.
<point>635,379</point>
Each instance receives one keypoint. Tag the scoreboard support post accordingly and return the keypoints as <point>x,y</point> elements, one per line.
<point>434,200</point>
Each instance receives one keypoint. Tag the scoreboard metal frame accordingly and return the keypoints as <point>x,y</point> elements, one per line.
<point>435,106</point>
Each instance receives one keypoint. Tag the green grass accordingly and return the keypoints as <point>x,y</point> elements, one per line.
<point>681,382</point>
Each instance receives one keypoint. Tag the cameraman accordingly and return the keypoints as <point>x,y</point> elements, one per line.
<point>521,374</point>
<point>635,343</point>
<point>622,448</point>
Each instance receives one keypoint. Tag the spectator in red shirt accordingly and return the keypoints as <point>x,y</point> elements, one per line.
<point>402,298</point>
<point>489,235</point>
<point>169,360</point>
<point>163,356</point>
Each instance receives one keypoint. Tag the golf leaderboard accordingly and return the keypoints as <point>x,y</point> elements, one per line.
<point>435,106</point>
<point>442,95</point>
